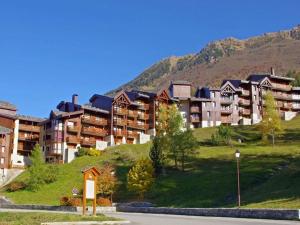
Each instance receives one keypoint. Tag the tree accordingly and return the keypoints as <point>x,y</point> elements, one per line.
<point>107,181</point>
<point>184,144</point>
<point>37,169</point>
<point>271,122</point>
<point>296,76</point>
<point>140,177</point>
<point>225,133</point>
<point>156,154</point>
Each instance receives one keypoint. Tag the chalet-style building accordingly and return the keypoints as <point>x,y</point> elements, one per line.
<point>128,117</point>
<point>236,101</point>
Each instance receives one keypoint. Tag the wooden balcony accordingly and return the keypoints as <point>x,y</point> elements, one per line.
<point>282,97</point>
<point>89,143</point>
<point>226,101</point>
<point>244,102</point>
<point>138,126</point>
<point>144,107</point>
<point>120,111</point>
<point>94,131</point>
<point>143,116</point>
<point>245,112</point>
<point>73,140</point>
<point>73,129</point>
<point>94,121</point>
<point>195,109</point>
<point>226,120</point>
<point>120,133</point>
<point>120,122</point>
<point>30,128</point>
<point>245,93</point>
<point>195,119</point>
<point>132,135</point>
<point>296,106</point>
<point>226,111</point>
<point>132,114</point>
<point>30,138</point>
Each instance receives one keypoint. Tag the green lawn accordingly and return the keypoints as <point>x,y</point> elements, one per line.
<point>270,176</point>
<point>36,218</point>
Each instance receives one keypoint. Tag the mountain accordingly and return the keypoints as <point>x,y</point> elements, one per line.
<point>230,58</point>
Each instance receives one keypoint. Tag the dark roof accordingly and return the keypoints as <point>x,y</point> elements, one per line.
<point>181,82</point>
<point>7,105</point>
<point>89,106</point>
<point>235,83</point>
<point>257,77</point>
<point>134,94</point>
<point>4,130</point>
<point>101,101</point>
<point>30,118</point>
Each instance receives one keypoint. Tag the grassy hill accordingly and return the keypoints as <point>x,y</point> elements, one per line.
<point>230,58</point>
<point>270,176</point>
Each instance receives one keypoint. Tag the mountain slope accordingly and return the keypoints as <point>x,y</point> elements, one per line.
<point>228,58</point>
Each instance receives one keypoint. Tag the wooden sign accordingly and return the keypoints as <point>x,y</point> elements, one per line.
<point>90,176</point>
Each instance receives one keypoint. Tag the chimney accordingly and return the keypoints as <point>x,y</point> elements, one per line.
<point>272,71</point>
<point>75,99</point>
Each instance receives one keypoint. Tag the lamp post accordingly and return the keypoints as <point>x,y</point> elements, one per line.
<point>237,156</point>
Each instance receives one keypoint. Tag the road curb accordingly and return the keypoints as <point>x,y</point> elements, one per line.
<point>87,223</point>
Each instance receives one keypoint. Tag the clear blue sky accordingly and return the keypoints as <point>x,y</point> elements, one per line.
<point>52,49</point>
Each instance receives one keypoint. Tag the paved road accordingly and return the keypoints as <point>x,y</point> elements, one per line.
<point>157,219</point>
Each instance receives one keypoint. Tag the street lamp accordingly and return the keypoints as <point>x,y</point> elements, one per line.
<point>237,156</point>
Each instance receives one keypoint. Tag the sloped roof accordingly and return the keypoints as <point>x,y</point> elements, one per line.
<point>30,118</point>
<point>89,106</point>
<point>7,105</point>
<point>235,83</point>
<point>257,77</point>
<point>101,101</point>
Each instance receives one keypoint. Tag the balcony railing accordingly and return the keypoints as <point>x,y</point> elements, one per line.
<point>120,122</point>
<point>73,129</point>
<point>244,102</point>
<point>120,111</point>
<point>73,140</point>
<point>132,114</point>
<point>132,134</point>
<point>195,109</point>
<point>94,131</point>
<point>120,133</point>
<point>32,138</point>
<point>245,112</point>
<point>282,96</point>
<point>144,106</point>
<point>94,121</point>
<point>296,106</point>
<point>226,101</point>
<point>226,111</point>
<point>138,126</point>
<point>143,116</point>
<point>226,120</point>
<point>90,143</point>
<point>245,93</point>
<point>29,128</point>
<point>195,119</point>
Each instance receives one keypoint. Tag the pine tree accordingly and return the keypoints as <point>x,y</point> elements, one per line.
<point>140,177</point>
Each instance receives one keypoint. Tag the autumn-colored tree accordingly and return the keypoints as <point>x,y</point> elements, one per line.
<point>107,181</point>
<point>141,177</point>
<point>271,122</point>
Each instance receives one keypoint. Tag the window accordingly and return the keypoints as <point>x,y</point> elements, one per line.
<point>208,115</point>
<point>255,97</point>
<point>213,94</point>
<point>236,107</point>
<point>204,104</point>
<point>2,161</point>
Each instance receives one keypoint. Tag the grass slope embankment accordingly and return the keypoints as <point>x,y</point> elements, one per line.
<point>270,176</point>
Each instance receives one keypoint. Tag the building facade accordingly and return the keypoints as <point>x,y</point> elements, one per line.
<point>236,102</point>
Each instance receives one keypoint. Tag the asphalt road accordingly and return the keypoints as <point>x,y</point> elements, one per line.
<point>157,219</point>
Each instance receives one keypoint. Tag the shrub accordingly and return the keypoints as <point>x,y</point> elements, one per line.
<point>93,152</point>
<point>70,201</point>
<point>81,152</point>
<point>103,202</point>
<point>16,186</point>
<point>64,201</point>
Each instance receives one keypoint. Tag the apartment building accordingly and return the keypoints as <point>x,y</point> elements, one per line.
<point>18,136</point>
<point>236,101</point>
<point>128,117</point>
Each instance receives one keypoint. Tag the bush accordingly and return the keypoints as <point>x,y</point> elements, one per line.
<point>81,152</point>
<point>93,152</point>
<point>103,202</point>
<point>16,186</point>
<point>70,201</point>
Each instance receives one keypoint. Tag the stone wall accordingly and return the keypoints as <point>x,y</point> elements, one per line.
<point>217,212</point>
